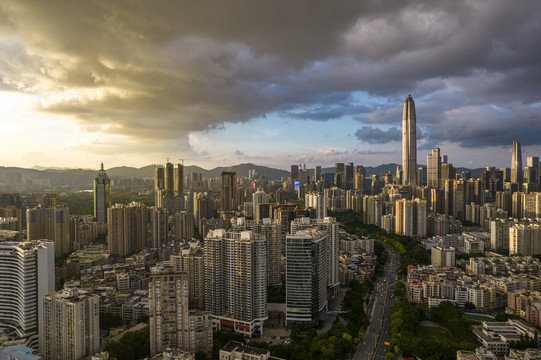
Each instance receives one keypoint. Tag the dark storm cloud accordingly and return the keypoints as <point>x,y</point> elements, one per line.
<point>373,135</point>
<point>155,69</point>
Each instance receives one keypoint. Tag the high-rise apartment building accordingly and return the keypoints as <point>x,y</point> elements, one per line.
<point>318,202</point>
<point>273,232</point>
<point>171,323</point>
<point>228,191</point>
<point>102,196</point>
<point>525,239</point>
<point>191,261</point>
<point>409,143</point>
<point>178,172</point>
<point>27,274</point>
<point>410,219</point>
<point>126,228</point>
<point>184,223</point>
<point>433,169</point>
<point>516,164</point>
<point>159,227</point>
<point>236,280</point>
<point>52,223</point>
<point>71,325</point>
<point>306,277</point>
<point>159,177</point>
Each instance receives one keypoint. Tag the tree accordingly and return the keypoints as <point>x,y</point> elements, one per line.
<point>201,355</point>
<point>390,356</point>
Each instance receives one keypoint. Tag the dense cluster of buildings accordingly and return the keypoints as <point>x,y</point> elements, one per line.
<point>485,284</point>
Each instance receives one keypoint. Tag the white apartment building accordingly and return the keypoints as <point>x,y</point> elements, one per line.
<point>26,275</point>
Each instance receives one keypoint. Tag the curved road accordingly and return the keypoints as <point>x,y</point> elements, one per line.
<point>373,344</point>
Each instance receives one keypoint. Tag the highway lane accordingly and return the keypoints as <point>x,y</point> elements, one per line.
<point>373,344</point>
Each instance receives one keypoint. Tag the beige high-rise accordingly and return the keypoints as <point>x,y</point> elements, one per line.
<point>409,143</point>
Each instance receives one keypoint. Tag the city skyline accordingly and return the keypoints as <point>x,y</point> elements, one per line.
<point>131,85</point>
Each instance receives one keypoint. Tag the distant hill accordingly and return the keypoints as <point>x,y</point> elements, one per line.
<point>83,178</point>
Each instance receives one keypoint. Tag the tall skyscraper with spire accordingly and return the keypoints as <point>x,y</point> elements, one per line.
<point>516,164</point>
<point>409,143</point>
<point>102,196</point>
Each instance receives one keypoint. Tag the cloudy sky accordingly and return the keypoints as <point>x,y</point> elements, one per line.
<point>269,82</point>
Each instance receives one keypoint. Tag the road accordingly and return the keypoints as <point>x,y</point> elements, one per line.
<point>373,345</point>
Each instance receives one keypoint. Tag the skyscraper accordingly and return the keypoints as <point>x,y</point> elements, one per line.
<point>516,164</point>
<point>433,167</point>
<point>306,277</point>
<point>294,172</point>
<point>228,191</point>
<point>317,173</point>
<point>102,196</point>
<point>71,324</point>
<point>409,143</point>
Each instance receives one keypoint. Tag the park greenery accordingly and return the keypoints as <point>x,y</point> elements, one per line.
<point>276,294</point>
<point>337,343</point>
<point>82,202</point>
<point>411,250</point>
<point>133,345</point>
<point>436,343</point>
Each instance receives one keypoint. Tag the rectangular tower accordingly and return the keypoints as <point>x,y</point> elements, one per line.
<point>409,143</point>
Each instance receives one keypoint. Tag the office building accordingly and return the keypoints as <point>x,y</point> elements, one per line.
<point>294,173</point>
<point>433,168</point>
<point>442,256</point>
<point>172,325</point>
<point>317,173</point>
<point>236,280</point>
<point>306,277</point>
<point>228,191</point>
<point>27,273</point>
<point>259,197</point>
<point>516,164</point>
<point>71,325</point>
<point>331,228</point>
<point>102,196</point>
<point>52,224</point>
<point>126,228</point>
<point>409,143</point>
